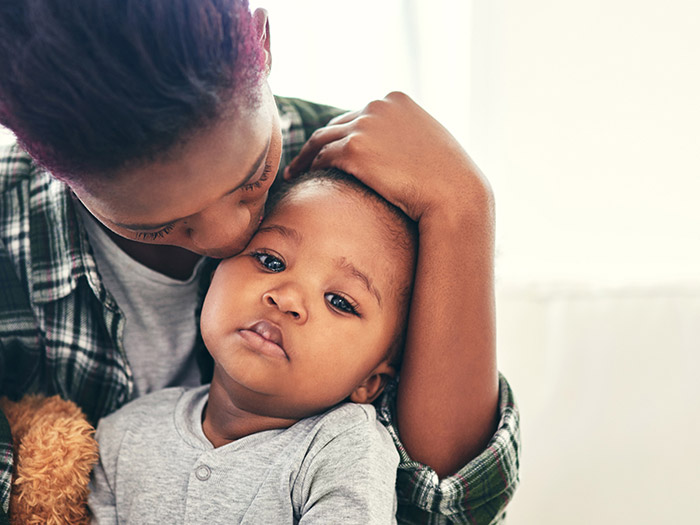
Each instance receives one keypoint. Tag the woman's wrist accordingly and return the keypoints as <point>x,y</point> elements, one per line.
<point>467,210</point>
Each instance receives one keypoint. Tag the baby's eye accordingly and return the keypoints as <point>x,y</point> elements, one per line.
<point>269,262</point>
<point>341,304</point>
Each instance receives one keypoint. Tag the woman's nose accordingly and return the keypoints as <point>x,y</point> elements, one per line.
<point>288,300</point>
<point>220,228</point>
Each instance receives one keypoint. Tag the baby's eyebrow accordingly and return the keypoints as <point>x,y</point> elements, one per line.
<point>351,270</point>
<point>290,233</point>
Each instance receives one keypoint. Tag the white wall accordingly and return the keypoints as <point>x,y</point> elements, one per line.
<point>585,117</point>
<point>607,383</point>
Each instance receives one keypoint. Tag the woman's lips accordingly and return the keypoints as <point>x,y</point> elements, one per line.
<point>264,337</point>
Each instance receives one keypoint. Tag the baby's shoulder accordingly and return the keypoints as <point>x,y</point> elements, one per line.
<point>349,437</point>
<point>350,421</point>
<point>347,415</point>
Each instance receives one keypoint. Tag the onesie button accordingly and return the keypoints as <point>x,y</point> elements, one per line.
<point>203,473</point>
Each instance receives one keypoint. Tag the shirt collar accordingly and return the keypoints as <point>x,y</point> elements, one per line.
<point>60,253</point>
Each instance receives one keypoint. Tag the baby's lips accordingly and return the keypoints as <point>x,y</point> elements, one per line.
<point>269,331</point>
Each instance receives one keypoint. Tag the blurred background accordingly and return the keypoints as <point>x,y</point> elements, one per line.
<point>585,117</point>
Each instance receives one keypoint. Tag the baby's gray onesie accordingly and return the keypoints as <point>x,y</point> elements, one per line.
<point>157,466</point>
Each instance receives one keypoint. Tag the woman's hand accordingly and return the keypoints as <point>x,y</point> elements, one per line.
<point>399,150</point>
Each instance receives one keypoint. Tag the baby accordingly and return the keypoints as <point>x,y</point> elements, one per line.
<point>305,327</point>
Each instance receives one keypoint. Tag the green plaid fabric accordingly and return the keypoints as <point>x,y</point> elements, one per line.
<point>60,333</point>
<point>478,493</point>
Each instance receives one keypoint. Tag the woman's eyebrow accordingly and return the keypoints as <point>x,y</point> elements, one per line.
<point>251,173</point>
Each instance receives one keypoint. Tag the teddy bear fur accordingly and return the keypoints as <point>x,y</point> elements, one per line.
<point>55,450</point>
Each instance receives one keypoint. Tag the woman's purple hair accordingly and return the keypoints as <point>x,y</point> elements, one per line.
<point>91,86</point>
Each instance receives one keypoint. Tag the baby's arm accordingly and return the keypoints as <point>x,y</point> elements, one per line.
<point>351,478</point>
<point>448,392</point>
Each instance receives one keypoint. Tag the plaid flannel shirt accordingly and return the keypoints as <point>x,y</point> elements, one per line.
<point>60,333</point>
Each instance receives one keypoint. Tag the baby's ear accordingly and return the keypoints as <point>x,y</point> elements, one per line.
<point>374,384</point>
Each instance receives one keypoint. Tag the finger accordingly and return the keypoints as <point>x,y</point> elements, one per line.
<point>319,138</point>
<point>351,154</point>
<point>332,155</point>
<point>348,155</point>
<point>344,118</point>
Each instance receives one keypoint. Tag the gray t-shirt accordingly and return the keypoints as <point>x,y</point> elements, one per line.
<point>159,313</point>
<point>157,466</point>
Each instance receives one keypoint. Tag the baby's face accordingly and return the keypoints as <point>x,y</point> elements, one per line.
<point>309,308</point>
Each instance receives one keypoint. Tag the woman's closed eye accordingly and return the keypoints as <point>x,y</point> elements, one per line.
<point>152,236</point>
<point>258,183</point>
<point>269,262</point>
<point>342,304</point>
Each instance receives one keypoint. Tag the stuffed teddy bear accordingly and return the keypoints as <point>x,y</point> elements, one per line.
<point>54,452</point>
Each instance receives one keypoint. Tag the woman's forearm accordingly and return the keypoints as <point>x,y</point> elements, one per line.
<point>447,398</point>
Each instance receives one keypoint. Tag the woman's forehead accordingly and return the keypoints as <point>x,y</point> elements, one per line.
<point>211,164</point>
